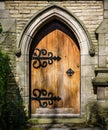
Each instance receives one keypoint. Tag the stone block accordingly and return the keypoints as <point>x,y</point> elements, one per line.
<point>88,85</point>
<point>83,84</point>
<point>106,59</point>
<point>2,5</point>
<point>94,128</point>
<point>103,104</point>
<point>89,70</point>
<point>106,93</point>
<point>83,71</point>
<point>106,14</point>
<point>101,39</point>
<point>106,42</point>
<point>91,60</point>
<point>20,68</point>
<point>83,59</point>
<point>103,28</point>
<point>24,91</point>
<point>56,120</point>
<point>102,61</point>
<point>103,50</point>
<point>105,4</point>
<point>4,14</point>
<point>60,128</point>
<point>14,11</point>
<point>100,93</point>
<point>8,25</point>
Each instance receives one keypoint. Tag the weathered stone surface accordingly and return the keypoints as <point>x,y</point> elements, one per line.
<point>100,83</point>
<point>2,5</point>
<point>77,121</point>
<point>90,13</point>
<point>4,13</point>
<point>94,128</point>
<point>103,28</point>
<point>60,129</point>
<point>8,25</point>
<point>105,4</point>
<point>106,14</point>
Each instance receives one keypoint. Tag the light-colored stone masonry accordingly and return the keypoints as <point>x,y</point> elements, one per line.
<point>89,12</point>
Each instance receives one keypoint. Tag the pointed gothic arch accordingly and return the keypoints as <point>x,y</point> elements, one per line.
<point>56,12</point>
<point>33,26</point>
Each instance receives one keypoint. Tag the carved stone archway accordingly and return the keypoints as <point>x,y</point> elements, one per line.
<point>33,26</point>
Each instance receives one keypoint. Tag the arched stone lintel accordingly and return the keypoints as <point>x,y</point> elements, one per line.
<point>56,12</point>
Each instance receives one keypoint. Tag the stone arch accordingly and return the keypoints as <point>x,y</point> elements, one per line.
<point>56,12</point>
<point>33,26</point>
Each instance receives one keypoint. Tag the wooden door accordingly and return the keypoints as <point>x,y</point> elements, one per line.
<point>55,75</point>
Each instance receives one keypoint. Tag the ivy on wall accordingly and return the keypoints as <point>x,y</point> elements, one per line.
<point>4,60</point>
<point>12,113</point>
<point>0,28</point>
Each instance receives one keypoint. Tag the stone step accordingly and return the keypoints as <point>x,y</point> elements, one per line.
<point>56,123</point>
<point>59,124</point>
<point>94,128</point>
<point>34,121</point>
<point>51,127</point>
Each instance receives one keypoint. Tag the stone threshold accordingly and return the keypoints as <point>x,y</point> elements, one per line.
<point>59,124</point>
<point>67,128</point>
<point>55,120</point>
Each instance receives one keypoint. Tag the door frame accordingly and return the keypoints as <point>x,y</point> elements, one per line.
<point>46,29</point>
<point>32,27</point>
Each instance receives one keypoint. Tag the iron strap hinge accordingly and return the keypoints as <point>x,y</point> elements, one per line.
<point>44,98</point>
<point>41,58</point>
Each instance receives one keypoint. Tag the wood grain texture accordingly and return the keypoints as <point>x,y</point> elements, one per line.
<point>53,78</point>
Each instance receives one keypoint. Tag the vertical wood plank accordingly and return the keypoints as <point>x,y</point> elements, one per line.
<point>53,78</point>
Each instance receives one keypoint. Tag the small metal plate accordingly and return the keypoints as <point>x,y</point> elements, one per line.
<point>70,72</point>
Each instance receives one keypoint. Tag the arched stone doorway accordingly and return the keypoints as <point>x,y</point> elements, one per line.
<point>55,71</point>
<point>81,37</point>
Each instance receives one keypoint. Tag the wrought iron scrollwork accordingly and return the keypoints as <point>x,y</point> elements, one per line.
<point>42,58</point>
<point>44,98</point>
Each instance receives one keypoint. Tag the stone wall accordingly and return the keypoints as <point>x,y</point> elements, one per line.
<point>8,35</point>
<point>89,13</point>
<point>106,44</point>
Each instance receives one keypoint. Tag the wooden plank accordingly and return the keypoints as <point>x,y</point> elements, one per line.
<point>53,78</point>
<point>75,80</point>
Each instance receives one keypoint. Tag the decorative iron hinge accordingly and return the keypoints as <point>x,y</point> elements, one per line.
<point>42,58</point>
<point>44,98</point>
